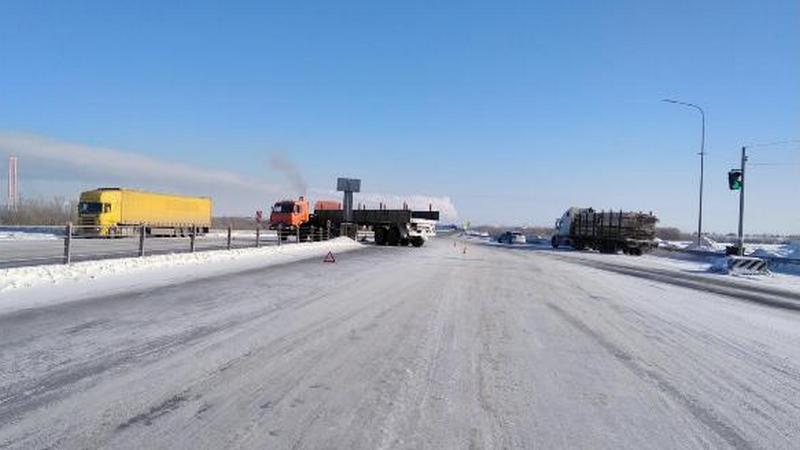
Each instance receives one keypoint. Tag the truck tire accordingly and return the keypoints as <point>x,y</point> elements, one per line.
<point>608,248</point>
<point>393,237</point>
<point>554,242</point>
<point>380,236</point>
<point>404,242</point>
<point>417,241</point>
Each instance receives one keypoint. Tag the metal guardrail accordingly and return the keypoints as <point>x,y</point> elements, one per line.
<point>72,243</point>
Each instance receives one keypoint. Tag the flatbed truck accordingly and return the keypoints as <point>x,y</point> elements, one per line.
<point>395,227</point>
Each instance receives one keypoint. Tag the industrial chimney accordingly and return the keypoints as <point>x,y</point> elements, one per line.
<point>12,184</point>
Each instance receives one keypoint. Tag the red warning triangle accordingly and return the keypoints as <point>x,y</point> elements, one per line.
<point>329,258</point>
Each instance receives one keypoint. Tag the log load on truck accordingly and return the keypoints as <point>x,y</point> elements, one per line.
<point>116,212</point>
<point>633,233</point>
<point>390,226</point>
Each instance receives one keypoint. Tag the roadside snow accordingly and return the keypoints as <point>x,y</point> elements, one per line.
<point>790,250</point>
<point>702,266</point>
<point>707,244</point>
<point>220,234</point>
<point>29,287</point>
<point>6,235</point>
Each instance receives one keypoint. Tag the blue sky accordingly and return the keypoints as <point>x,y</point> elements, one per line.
<point>513,110</point>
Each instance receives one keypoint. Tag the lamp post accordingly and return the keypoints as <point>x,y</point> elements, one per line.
<point>702,157</point>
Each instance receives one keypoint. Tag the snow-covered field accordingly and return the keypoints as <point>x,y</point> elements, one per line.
<point>26,287</point>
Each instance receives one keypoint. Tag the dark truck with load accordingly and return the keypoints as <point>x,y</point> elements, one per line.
<point>633,233</point>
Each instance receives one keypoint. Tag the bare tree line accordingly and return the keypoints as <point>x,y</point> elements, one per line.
<point>40,211</point>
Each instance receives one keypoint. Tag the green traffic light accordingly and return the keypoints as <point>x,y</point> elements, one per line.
<point>735,180</point>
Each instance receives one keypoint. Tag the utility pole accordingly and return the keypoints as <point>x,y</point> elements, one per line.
<point>741,204</point>
<point>741,184</point>
<point>702,158</point>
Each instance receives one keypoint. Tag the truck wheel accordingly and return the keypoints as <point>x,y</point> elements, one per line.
<point>393,237</point>
<point>554,242</point>
<point>380,236</point>
<point>404,242</point>
<point>608,248</point>
<point>417,241</point>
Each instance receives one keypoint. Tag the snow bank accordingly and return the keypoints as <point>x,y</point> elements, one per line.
<point>27,287</point>
<point>707,244</point>
<point>790,250</point>
<point>6,235</point>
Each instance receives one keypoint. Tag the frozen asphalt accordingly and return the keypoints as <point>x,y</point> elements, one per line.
<point>406,348</point>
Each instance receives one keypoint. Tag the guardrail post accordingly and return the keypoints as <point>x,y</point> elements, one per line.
<point>68,244</point>
<point>229,237</point>
<point>142,232</point>
<point>258,236</point>
<point>280,234</point>
<point>298,235</point>
<point>191,239</point>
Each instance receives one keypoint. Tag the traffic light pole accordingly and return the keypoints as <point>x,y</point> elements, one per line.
<point>741,205</point>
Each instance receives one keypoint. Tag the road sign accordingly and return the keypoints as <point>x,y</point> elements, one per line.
<point>259,216</point>
<point>329,258</point>
<point>348,184</point>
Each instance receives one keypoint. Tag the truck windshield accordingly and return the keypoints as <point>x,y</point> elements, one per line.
<point>285,207</point>
<point>90,208</point>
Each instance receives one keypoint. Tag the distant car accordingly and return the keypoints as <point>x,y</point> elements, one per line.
<point>512,237</point>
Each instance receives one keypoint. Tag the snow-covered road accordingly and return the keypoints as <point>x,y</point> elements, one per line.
<point>405,348</point>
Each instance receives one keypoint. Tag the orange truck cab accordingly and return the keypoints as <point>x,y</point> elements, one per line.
<point>289,213</point>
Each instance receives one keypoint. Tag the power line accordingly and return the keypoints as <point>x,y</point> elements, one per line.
<point>772,144</point>
<point>776,164</point>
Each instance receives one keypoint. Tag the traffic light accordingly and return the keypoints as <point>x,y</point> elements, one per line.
<point>735,179</point>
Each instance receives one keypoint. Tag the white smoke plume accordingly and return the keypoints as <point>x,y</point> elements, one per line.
<point>281,164</point>
<point>65,163</point>
<point>111,162</point>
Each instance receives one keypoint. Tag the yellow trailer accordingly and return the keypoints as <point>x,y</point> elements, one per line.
<point>118,211</point>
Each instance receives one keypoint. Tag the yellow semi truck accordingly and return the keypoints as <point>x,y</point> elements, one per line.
<point>116,212</point>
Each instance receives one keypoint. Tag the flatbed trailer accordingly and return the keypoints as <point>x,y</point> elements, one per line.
<point>391,226</point>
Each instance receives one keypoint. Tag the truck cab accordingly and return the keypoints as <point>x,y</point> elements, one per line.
<point>564,223</point>
<point>98,212</point>
<point>563,227</point>
<point>289,214</point>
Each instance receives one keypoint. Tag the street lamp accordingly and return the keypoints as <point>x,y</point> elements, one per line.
<point>702,155</point>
